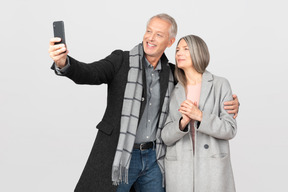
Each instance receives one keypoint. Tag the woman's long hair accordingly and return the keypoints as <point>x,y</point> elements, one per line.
<point>199,54</point>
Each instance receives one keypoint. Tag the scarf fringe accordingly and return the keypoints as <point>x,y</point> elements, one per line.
<point>120,175</point>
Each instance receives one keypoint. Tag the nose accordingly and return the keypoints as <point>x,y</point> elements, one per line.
<point>152,36</point>
<point>179,52</point>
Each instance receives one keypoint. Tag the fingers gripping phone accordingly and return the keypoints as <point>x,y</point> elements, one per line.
<point>58,27</point>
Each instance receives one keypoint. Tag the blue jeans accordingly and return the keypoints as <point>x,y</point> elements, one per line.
<point>144,173</point>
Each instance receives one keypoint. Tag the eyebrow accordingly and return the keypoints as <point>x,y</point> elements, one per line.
<point>149,28</point>
<point>182,46</point>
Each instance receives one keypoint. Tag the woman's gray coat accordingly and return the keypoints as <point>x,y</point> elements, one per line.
<point>209,169</point>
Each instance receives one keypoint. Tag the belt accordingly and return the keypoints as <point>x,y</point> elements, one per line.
<point>143,146</point>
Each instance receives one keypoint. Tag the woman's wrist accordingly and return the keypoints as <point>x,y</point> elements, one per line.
<point>200,116</point>
<point>183,124</point>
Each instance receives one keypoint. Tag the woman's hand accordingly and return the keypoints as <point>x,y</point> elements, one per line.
<point>184,122</point>
<point>190,109</point>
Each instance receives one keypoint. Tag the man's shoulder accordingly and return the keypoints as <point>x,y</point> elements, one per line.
<point>172,66</point>
<point>118,56</point>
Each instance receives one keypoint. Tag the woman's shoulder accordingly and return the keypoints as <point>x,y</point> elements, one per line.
<point>219,81</point>
<point>216,79</point>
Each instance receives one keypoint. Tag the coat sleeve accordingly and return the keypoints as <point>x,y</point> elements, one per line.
<point>222,125</point>
<point>97,72</point>
<point>171,132</point>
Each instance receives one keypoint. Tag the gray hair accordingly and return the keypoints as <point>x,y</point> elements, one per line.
<point>199,54</point>
<point>169,19</point>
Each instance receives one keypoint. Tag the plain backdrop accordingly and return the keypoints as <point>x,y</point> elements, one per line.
<point>47,123</point>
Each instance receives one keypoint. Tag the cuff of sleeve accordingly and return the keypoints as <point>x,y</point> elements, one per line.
<point>197,124</point>
<point>64,69</point>
<point>186,128</point>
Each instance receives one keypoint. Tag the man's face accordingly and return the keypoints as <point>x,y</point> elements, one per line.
<point>156,38</point>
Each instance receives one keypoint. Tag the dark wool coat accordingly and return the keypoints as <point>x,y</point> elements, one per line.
<point>113,71</point>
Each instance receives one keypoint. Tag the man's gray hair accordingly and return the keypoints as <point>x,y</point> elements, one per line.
<point>169,19</point>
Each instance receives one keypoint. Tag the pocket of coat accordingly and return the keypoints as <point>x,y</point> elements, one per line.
<point>219,155</point>
<point>105,127</point>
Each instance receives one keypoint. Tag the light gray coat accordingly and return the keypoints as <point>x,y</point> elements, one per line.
<point>209,169</point>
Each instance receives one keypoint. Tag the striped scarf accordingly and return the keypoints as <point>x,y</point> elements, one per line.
<point>130,117</point>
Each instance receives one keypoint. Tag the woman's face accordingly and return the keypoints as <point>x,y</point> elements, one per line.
<point>183,58</point>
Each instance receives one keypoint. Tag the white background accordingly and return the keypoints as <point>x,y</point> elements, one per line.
<point>47,123</point>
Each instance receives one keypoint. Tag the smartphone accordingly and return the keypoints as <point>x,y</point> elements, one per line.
<point>58,27</point>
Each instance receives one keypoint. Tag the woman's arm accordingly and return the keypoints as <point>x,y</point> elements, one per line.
<point>222,125</point>
<point>171,132</point>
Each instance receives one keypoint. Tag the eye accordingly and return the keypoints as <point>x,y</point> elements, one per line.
<point>159,35</point>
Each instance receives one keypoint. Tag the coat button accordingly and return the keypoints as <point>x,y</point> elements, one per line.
<point>142,99</point>
<point>206,146</point>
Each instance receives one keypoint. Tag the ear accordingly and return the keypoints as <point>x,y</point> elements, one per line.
<point>171,41</point>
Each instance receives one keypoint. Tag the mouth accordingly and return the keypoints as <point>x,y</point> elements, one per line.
<point>179,60</point>
<point>151,45</point>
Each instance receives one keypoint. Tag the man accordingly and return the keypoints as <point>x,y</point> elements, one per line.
<point>128,149</point>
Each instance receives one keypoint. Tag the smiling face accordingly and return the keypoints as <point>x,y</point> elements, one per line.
<point>156,39</point>
<point>183,57</point>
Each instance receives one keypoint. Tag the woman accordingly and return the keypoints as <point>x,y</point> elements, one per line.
<point>198,129</point>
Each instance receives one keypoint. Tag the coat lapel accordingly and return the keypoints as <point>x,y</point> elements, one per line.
<point>164,78</point>
<point>205,88</point>
<point>180,94</point>
<point>144,94</point>
<point>177,97</point>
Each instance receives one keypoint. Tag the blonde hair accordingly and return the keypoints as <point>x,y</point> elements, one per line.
<point>199,54</point>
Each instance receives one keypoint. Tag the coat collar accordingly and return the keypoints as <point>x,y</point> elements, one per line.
<point>206,85</point>
<point>207,79</point>
<point>164,78</point>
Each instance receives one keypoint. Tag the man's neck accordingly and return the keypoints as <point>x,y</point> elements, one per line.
<point>153,60</point>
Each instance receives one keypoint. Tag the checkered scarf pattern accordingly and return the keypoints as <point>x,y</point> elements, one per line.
<point>130,117</point>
